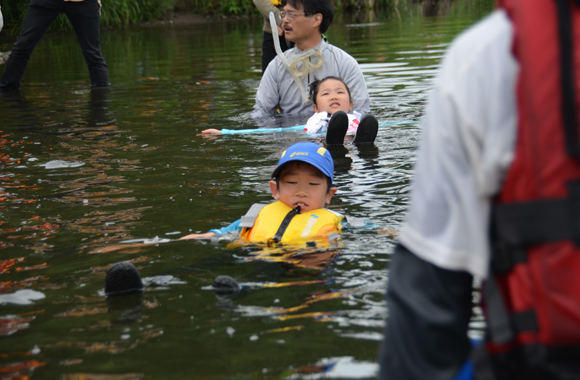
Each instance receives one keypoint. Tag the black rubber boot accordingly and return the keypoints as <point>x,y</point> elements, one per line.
<point>367,130</point>
<point>337,127</point>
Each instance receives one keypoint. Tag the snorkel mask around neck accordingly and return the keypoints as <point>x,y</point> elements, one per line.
<point>307,66</point>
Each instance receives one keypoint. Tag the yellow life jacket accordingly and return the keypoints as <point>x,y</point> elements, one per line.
<point>276,3</point>
<point>313,224</point>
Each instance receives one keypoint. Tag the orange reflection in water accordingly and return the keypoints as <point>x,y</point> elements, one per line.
<point>7,286</point>
<point>11,324</point>
<point>14,367</point>
<point>312,253</point>
<point>113,347</point>
<point>95,376</point>
<point>6,264</point>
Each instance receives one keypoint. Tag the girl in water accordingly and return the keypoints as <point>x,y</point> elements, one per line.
<point>333,114</point>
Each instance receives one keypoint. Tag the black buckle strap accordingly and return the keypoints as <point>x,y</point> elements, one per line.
<point>524,223</point>
<point>505,257</point>
<point>502,324</point>
<point>285,223</point>
<point>524,321</point>
<point>569,116</point>
<point>520,224</point>
<point>517,225</point>
<point>499,321</point>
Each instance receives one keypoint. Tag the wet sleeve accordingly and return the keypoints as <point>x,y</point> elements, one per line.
<point>317,123</point>
<point>358,224</point>
<point>429,309</point>
<point>232,228</point>
<point>268,95</point>
<point>355,80</point>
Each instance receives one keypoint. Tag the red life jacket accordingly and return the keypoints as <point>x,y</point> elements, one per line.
<point>533,298</point>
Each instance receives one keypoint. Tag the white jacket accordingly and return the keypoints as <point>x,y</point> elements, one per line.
<point>318,123</point>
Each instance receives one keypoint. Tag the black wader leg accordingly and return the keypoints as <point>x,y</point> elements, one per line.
<point>429,309</point>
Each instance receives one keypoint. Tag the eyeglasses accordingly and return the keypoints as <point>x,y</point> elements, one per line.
<point>290,15</point>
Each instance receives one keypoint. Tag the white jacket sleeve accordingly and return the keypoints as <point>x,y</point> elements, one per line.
<point>317,123</point>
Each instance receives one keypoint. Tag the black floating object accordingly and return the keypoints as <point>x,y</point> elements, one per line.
<point>225,286</point>
<point>123,278</point>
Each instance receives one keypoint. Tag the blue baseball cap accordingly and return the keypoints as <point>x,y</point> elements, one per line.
<point>310,153</point>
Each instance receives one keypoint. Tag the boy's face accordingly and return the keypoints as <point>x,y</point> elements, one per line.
<point>332,96</point>
<point>302,184</point>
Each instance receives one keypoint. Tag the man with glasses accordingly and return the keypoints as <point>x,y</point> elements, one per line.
<point>304,22</point>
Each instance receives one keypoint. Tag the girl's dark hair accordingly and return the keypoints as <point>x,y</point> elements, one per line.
<point>315,86</point>
<point>312,7</point>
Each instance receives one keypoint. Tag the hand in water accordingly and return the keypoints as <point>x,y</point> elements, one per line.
<point>391,232</point>
<point>198,236</point>
<point>207,132</point>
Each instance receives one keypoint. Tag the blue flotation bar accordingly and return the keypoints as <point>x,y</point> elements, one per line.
<point>300,128</point>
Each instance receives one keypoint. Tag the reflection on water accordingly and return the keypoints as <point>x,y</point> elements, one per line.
<point>82,170</point>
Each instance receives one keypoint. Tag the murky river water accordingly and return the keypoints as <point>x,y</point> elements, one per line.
<point>81,170</point>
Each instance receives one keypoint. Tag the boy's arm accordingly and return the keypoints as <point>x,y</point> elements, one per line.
<point>268,94</point>
<point>349,223</point>
<point>234,227</point>
<point>198,236</point>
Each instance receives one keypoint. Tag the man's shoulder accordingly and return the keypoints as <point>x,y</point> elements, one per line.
<point>338,51</point>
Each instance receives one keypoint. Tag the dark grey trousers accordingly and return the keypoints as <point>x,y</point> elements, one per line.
<point>429,309</point>
<point>84,17</point>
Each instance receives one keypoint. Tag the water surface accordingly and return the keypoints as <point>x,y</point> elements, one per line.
<point>82,170</point>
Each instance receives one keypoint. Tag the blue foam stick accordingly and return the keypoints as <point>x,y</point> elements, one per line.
<point>299,128</point>
<point>296,128</point>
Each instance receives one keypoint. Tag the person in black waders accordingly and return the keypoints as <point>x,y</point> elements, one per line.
<point>495,196</point>
<point>83,15</point>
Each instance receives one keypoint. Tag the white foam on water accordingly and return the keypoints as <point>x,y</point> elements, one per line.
<point>60,164</point>
<point>22,297</point>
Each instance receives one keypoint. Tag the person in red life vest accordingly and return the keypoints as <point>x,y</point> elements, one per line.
<point>495,196</point>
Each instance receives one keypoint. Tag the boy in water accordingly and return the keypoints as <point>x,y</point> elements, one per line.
<point>332,104</point>
<point>301,185</point>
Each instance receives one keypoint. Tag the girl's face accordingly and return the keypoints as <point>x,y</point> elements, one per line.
<point>332,96</point>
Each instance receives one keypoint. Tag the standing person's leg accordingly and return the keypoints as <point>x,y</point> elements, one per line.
<point>268,50</point>
<point>36,22</point>
<point>429,309</point>
<point>84,17</point>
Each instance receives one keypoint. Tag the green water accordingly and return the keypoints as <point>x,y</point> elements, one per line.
<point>82,170</point>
